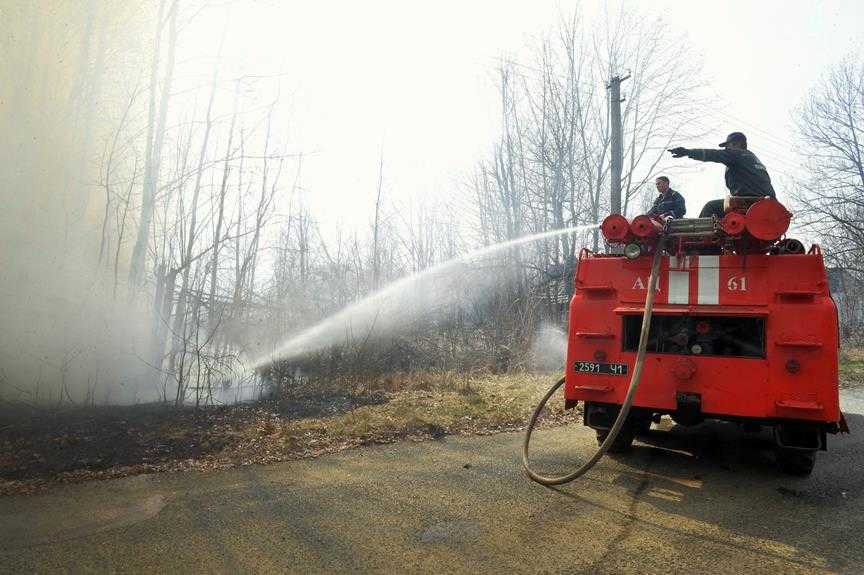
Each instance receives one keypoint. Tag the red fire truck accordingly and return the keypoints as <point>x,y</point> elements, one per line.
<point>743,329</point>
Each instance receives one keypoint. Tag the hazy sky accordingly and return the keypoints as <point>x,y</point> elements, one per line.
<point>417,78</point>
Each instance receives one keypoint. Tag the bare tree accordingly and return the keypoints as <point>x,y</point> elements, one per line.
<point>157,116</point>
<point>550,167</point>
<point>831,199</point>
<point>376,227</point>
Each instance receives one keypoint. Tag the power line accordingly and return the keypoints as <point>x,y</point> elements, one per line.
<point>774,156</point>
<point>582,84</point>
<point>769,140</point>
<point>776,139</point>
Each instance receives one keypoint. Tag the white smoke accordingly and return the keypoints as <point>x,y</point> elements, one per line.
<point>549,350</point>
<point>66,336</point>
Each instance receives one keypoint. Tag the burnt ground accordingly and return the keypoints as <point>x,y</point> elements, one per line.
<point>39,448</point>
<point>82,443</point>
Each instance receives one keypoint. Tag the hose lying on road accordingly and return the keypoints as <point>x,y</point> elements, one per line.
<point>625,407</point>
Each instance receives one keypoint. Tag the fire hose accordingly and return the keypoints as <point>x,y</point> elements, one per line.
<point>625,407</point>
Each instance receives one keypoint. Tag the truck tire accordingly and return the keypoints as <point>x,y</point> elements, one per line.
<point>642,425</point>
<point>795,461</point>
<point>623,441</point>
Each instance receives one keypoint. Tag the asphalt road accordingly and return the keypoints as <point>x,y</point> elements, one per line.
<point>703,500</point>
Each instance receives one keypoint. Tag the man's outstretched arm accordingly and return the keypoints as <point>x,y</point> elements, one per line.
<point>704,155</point>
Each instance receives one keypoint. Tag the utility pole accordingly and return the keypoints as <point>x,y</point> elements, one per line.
<point>617,137</point>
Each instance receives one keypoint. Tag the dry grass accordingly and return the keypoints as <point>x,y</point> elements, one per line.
<point>313,419</point>
<point>441,404</point>
<point>851,367</point>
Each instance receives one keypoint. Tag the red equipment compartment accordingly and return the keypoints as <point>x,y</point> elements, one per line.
<point>787,372</point>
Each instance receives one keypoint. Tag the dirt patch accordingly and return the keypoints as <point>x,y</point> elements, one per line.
<point>39,448</point>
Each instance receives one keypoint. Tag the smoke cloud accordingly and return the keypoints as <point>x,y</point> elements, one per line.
<point>549,351</point>
<point>66,335</point>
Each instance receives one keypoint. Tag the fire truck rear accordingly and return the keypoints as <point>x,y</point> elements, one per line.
<point>744,329</point>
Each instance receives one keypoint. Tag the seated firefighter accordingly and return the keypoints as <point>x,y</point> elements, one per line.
<point>746,176</point>
<point>669,204</point>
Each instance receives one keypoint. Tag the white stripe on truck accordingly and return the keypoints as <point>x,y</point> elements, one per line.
<point>708,292</point>
<point>679,287</point>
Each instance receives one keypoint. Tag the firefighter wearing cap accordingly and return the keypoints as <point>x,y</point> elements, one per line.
<point>745,174</point>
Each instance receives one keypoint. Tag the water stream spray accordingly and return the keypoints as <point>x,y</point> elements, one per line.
<point>397,304</point>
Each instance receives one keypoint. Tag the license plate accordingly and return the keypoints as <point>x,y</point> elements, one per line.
<point>604,368</point>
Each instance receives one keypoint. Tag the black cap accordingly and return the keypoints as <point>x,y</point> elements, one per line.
<point>734,137</point>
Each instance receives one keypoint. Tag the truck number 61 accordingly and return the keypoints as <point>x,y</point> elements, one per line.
<point>737,283</point>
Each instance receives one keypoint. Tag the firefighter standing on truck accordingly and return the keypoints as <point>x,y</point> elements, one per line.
<point>669,204</point>
<point>745,174</point>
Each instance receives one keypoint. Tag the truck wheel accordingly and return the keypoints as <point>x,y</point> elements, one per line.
<point>796,461</point>
<point>642,425</point>
<point>623,441</point>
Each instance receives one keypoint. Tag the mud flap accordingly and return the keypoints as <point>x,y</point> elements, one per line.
<point>843,426</point>
<point>799,436</point>
<point>689,408</point>
<point>600,415</point>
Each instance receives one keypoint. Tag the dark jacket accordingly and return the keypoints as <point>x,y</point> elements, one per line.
<point>669,203</point>
<point>745,174</point>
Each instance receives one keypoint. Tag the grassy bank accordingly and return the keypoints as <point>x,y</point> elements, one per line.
<point>852,368</point>
<point>40,448</point>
